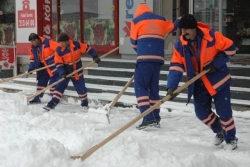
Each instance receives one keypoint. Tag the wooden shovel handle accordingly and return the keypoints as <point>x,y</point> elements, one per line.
<point>60,80</point>
<point>96,147</point>
<point>121,92</point>
<point>39,69</point>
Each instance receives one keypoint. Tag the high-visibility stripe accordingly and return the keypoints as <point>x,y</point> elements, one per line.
<point>208,118</point>
<point>142,98</point>
<point>57,97</point>
<point>134,46</point>
<point>150,57</point>
<point>221,82</point>
<point>84,98</point>
<point>212,121</point>
<point>82,95</point>
<point>143,104</point>
<point>229,128</point>
<point>227,122</point>
<point>151,36</point>
<point>71,63</point>
<point>57,92</point>
<point>54,70</point>
<point>153,101</point>
<point>176,68</point>
<point>49,57</point>
<point>230,52</point>
<point>88,49</point>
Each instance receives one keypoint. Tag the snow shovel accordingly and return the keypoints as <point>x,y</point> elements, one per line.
<point>26,99</point>
<point>156,105</point>
<point>97,114</point>
<point>21,75</point>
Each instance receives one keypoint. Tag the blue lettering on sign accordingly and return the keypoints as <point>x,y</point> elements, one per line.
<point>129,5</point>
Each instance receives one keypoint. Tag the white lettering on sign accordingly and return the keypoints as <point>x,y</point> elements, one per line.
<point>27,15</point>
<point>47,19</point>
<point>26,23</point>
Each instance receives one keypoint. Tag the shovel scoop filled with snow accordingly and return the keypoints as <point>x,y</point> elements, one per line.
<point>99,115</point>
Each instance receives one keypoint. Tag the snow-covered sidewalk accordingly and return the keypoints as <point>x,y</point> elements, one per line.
<point>30,137</point>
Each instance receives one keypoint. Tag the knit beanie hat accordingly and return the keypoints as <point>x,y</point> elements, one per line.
<point>33,36</point>
<point>188,22</point>
<point>62,37</point>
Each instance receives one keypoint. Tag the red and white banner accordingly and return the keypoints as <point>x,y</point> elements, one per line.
<point>26,23</point>
<point>26,16</point>
<point>47,19</point>
<point>7,59</point>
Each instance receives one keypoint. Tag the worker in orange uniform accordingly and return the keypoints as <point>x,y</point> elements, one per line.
<point>68,60</point>
<point>147,38</point>
<point>42,54</point>
<point>200,48</point>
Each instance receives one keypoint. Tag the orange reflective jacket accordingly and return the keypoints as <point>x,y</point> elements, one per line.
<point>213,48</point>
<point>44,53</point>
<point>147,34</point>
<point>68,59</point>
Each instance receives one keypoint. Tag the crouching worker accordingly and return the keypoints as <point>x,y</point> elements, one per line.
<point>42,54</point>
<point>68,60</point>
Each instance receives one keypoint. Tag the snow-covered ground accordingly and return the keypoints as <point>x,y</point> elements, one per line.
<point>30,137</point>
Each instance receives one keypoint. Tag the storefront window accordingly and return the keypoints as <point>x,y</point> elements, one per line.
<point>99,27</point>
<point>54,20</point>
<point>236,23</point>
<point>70,18</point>
<point>7,22</point>
<point>207,11</point>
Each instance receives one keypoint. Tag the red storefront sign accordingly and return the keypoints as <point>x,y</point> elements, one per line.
<point>26,16</point>
<point>7,58</point>
<point>47,19</point>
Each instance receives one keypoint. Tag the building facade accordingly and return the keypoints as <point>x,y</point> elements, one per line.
<point>105,24</point>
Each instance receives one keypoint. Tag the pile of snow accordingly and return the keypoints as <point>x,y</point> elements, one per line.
<point>30,137</point>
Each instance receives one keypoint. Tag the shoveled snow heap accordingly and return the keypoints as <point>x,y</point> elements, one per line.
<point>30,137</point>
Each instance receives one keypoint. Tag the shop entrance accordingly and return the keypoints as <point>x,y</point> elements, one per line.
<point>231,17</point>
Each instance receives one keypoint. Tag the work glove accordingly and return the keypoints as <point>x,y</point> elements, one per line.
<point>64,75</point>
<point>170,92</point>
<point>26,75</point>
<point>96,59</point>
<point>29,70</point>
<point>210,67</point>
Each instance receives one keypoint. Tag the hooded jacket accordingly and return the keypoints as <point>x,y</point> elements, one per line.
<point>147,34</point>
<point>68,59</point>
<point>43,55</point>
<point>212,47</point>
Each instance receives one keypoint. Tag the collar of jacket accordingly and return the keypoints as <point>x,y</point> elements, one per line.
<point>42,39</point>
<point>71,45</point>
<point>204,28</point>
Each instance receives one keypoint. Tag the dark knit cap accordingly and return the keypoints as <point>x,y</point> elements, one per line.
<point>188,22</point>
<point>62,37</point>
<point>33,36</point>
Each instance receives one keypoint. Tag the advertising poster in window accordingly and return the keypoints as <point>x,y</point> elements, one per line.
<point>26,22</point>
<point>127,10</point>
<point>7,60</point>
